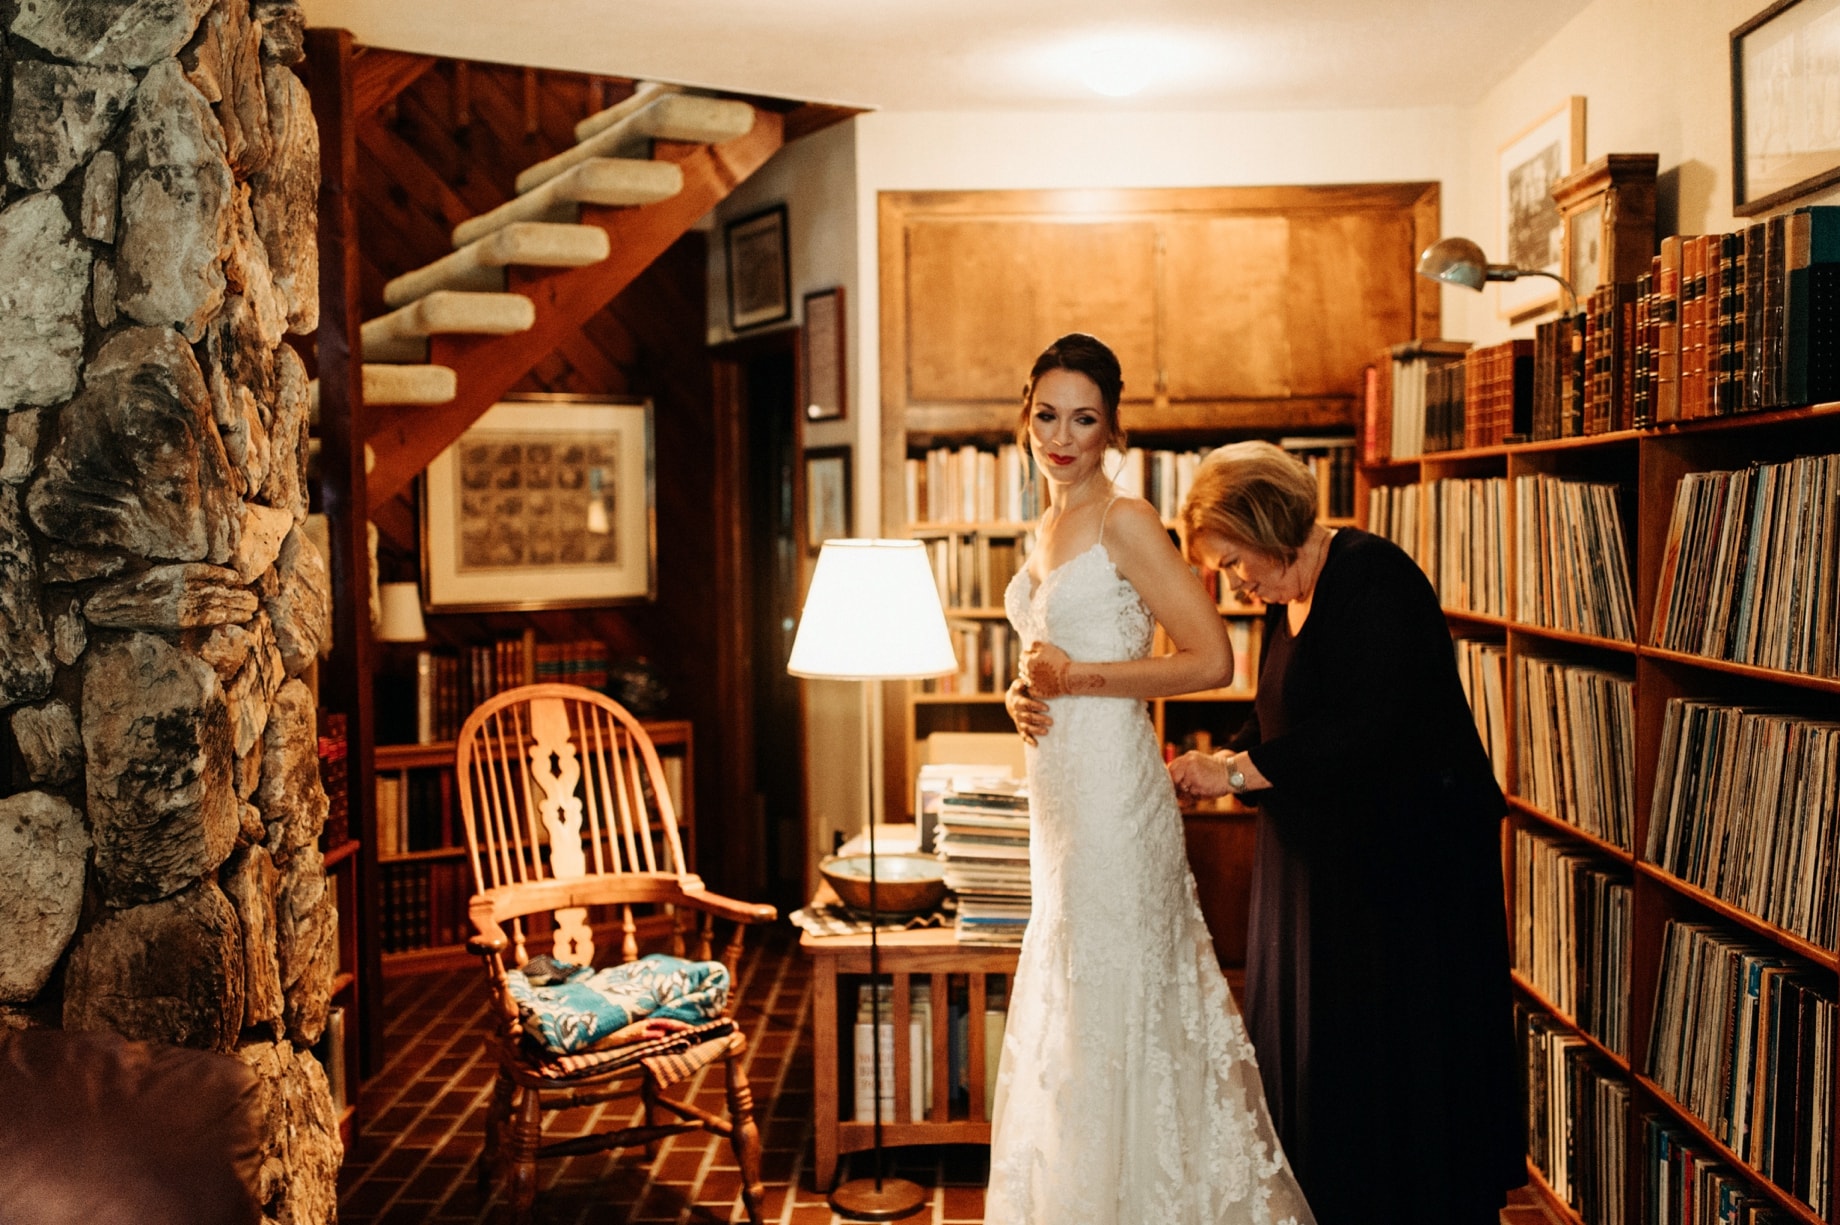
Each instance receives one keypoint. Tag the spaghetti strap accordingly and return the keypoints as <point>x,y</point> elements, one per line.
<point>1103,515</point>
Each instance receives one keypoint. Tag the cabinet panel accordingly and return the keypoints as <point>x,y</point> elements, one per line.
<point>1226,329</point>
<point>984,296</point>
<point>1350,294</point>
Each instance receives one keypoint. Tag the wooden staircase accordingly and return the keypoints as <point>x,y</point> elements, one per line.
<point>586,222</point>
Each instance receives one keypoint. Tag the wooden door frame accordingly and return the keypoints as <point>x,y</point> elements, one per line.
<point>735,607</point>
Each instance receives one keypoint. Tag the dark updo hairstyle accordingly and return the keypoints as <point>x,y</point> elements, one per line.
<point>1082,354</point>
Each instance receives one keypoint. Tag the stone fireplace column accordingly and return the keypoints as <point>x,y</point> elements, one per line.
<point>160,603</point>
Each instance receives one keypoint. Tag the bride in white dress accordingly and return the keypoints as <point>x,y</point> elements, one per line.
<point>1129,1092</point>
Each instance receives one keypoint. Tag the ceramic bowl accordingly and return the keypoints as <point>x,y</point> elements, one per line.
<point>905,884</point>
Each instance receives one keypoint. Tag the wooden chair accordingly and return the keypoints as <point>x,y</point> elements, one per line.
<point>566,809</point>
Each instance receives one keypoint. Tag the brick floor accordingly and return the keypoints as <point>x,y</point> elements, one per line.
<point>416,1158</point>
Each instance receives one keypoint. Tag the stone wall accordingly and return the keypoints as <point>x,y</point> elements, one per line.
<point>160,872</point>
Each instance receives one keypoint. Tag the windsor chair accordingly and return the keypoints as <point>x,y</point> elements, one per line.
<point>569,819</point>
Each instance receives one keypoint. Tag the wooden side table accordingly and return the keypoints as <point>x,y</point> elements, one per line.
<point>934,954</point>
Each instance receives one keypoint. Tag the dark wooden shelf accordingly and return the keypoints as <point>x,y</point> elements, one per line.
<point>1800,680</point>
<point>1686,1119</point>
<point>340,853</point>
<point>431,855</point>
<point>1566,1019</point>
<point>1554,1205</point>
<point>1548,821</point>
<point>1801,946</point>
<point>1476,618</point>
<point>1583,640</point>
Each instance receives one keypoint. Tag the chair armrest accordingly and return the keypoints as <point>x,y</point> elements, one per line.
<point>724,907</point>
<point>490,938</point>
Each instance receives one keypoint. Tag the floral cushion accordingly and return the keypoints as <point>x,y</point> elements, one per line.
<point>569,1008</point>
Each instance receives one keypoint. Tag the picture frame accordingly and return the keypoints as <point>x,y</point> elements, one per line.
<point>759,269</point>
<point>547,501</point>
<point>828,496</point>
<point>1529,230</point>
<point>1785,135</point>
<point>826,394</point>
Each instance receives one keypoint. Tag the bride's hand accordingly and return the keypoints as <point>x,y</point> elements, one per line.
<point>1199,776</point>
<point>1044,670</point>
<point>1030,716</point>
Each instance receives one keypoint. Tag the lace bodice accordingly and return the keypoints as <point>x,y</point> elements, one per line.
<point>1129,1091</point>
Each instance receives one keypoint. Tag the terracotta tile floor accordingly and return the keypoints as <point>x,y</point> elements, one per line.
<point>416,1158</point>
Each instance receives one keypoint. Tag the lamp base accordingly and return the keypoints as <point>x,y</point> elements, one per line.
<point>860,1200</point>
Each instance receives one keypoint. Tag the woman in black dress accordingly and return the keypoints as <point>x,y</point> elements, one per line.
<point>1377,989</point>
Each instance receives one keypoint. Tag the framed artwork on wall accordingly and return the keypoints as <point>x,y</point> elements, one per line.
<point>759,269</point>
<point>825,396</point>
<point>1785,128</point>
<point>827,495</point>
<point>1530,233</point>
<point>546,502</point>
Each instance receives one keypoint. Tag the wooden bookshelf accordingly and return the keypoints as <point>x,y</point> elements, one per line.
<point>1647,465</point>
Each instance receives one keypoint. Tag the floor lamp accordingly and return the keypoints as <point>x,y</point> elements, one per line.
<point>873,614</point>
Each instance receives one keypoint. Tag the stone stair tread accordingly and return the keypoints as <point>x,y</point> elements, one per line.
<point>642,95</point>
<point>480,265</point>
<point>672,116</point>
<point>393,384</point>
<point>402,335</point>
<point>610,181</point>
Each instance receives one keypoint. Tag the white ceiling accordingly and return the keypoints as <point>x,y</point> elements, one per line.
<point>993,54</point>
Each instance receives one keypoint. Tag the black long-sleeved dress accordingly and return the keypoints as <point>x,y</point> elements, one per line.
<point>1377,989</point>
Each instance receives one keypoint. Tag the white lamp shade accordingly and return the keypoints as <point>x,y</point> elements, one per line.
<point>399,617</point>
<point>872,613</point>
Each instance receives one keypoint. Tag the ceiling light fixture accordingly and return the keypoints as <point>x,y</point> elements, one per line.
<point>1118,67</point>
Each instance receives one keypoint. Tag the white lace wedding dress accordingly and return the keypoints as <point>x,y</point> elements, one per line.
<point>1129,1093</point>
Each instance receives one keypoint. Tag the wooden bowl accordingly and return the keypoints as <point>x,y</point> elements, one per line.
<point>905,884</point>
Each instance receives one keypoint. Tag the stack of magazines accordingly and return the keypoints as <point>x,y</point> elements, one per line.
<point>983,843</point>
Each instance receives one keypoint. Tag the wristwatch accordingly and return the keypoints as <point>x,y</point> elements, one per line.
<point>1236,777</point>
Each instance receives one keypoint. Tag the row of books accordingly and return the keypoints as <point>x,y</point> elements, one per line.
<point>1684,1185</point>
<point>1745,806</point>
<point>1571,926</point>
<point>417,810</point>
<point>449,684</point>
<point>1404,404</point>
<point>1482,667</point>
<point>971,484</point>
<point>1572,566</point>
<point>982,841</point>
<point>422,903</point>
<point>1395,512</point>
<point>920,1047</point>
<point>1751,569</point>
<point>1577,1117</point>
<point>989,653</point>
<point>1331,462</point>
<point>973,571</point>
<point>1464,549</point>
<point>1575,737</point>
<point>1162,478</point>
<point>1743,1037</point>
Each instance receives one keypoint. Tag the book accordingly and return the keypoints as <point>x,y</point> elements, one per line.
<point>919,1059</point>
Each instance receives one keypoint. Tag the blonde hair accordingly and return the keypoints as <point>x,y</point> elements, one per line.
<point>1255,495</point>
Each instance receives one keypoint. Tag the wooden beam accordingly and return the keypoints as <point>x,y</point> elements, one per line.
<point>489,366</point>
<point>378,75</point>
<point>1292,415</point>
<point>345,677</point>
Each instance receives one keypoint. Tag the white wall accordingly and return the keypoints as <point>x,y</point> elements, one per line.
<point>1655,75</point>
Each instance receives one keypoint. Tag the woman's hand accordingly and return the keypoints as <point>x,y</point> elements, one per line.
<point>1199,776</point>
<point>1045,671</point>
<point>1030,716</point>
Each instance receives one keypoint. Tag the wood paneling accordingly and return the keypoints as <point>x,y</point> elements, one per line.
<point>1226,332</point>
<point>1351,293</point>
<point>987,297</point>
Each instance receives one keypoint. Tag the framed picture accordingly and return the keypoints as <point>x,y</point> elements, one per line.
<point>546,502</point>
<point>1785,128</point>
<point>827,495</point>
<point>759,269</point>
<point>1531,235</point>
<point>825,398</point>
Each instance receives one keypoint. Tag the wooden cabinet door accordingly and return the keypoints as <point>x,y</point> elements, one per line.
<point>1351,293</point>
<point>1226,330</point>
<point>985,296</point>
